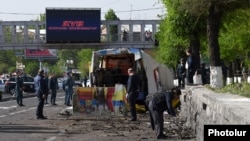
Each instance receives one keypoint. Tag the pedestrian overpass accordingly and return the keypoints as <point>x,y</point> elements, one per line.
<point>15,35</point>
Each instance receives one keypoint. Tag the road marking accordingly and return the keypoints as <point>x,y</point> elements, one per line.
<point>18,112</point>
<point>3,116</point>
<point>51,138</point>
<point>5,108</point>
<point>31,108</point>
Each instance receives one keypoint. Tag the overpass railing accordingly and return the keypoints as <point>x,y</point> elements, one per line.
<point>24,34</point>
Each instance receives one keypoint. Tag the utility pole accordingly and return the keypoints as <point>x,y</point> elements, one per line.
<point>130,10</point>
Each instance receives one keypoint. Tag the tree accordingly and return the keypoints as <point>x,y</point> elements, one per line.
<point>85,56</point>
<point>113,29</point>
<point>69,54</point>
<point>8,61</point>
<point>214,10</point>
<point>234,38</point>
<point>178,31</point>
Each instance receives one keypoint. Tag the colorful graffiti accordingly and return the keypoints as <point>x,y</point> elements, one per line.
<point>100,100</point>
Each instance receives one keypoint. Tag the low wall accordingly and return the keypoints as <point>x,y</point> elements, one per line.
<point>201,106</point>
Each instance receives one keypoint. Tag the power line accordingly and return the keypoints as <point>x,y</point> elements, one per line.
<point>131,10</point>
<point>10,13</point>
<point>139,10</point>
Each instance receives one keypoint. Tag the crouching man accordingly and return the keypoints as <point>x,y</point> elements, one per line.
<point>157,104</point>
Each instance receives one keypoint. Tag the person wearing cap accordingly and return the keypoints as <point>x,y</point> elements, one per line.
<point>69,83</point>
<point>40,91</point>
<point>19,88</point>
<point>181,73</point>
<point>53,85</point>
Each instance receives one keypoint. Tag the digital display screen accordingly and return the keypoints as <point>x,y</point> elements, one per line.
<point>65,25</point>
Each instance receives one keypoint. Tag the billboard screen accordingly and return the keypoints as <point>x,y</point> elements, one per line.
<point>40,53</point>
<point>65,25</point>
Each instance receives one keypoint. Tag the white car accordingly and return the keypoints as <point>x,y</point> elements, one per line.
<point>88,83</point>
<point>60,82</point>
<point>2,85</point>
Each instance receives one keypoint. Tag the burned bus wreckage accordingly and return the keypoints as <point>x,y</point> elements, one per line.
<point>108,73</point>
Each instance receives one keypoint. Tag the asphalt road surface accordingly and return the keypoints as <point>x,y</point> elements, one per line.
<point>20,124</point>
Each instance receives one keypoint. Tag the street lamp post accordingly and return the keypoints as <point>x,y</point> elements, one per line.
<point>69,62</point>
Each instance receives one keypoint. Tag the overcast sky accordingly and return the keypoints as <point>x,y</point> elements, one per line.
<point>25,10</point>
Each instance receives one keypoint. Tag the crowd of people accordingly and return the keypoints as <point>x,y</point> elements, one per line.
<point>45,85</point>
<point>188,73</point>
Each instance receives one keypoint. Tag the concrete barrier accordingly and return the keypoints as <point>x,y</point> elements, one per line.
<point>201,106</point>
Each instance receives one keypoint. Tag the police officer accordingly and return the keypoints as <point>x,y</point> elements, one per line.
<point>181,73</point>
<point>40,87</point>
<point>19,88</point>
<point>157,104</point>
<point>53,85</point>
<point>69,83</point>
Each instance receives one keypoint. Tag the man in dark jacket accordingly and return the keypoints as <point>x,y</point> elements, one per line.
<point>157,104</point>
<point>181,73</point>
<point>69,84</point>
<point>190,66</point>
<point>40,87</point>
<point>132,92</point>
<point>53,85</point>
<point>19,88</point>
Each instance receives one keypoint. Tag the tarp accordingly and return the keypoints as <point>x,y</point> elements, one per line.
<point>160,77</point>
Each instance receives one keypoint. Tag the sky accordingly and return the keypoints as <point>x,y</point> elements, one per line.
<point>26,10</point>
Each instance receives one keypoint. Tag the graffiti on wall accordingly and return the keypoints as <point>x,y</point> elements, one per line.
<point>100,100</point>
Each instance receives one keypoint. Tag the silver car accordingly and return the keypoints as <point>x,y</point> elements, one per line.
<point>2,85</point>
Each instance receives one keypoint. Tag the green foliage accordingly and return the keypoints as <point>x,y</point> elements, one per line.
<point>113,29</point>
<point>85,56</point>
<point>235,36</point>
<point>242,89</point>
<point>175,33</point>
<point>110,15</point>
<point>8,61</point>
<point>57,70</point>
<point>69,54</point>
<point>31,67</point>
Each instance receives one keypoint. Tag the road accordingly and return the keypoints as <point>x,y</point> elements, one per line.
<point>20,124</point>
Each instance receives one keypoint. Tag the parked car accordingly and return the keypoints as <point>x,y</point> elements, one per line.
<point>60,82</point>
<point>88,83</point>
<point>2,84</point>
<point>28,83</point>
<point>78,83</point>
<point>2,81</point>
